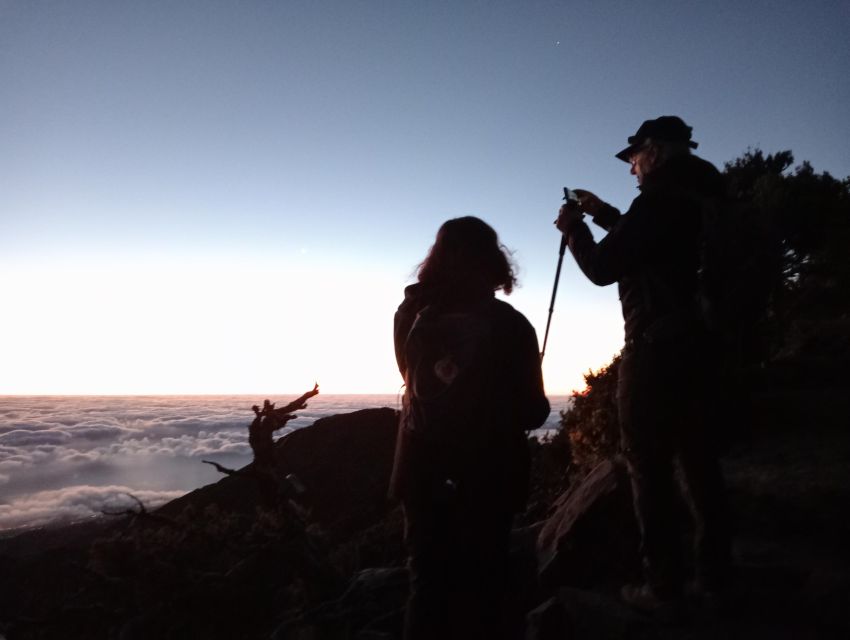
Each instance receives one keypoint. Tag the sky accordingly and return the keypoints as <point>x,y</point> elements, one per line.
<point>229,197</point>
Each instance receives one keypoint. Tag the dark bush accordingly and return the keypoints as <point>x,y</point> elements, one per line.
<point>590,426</point>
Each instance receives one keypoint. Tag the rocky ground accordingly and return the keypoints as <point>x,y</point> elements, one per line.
<point>210,565</point>
<point>790,491</point>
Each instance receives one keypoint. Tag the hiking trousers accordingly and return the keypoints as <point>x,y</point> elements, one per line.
<point>458,562</point>
<point>668,445</point>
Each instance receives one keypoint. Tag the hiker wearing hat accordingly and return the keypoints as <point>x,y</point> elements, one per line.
<point>652,253</point>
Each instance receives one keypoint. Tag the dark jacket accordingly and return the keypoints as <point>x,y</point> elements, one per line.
<point>489,461</point>
<point>652,251</point>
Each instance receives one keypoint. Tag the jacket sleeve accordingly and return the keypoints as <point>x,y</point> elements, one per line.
<point>607,216</point>
<point>630,239</point>
<point>531,405</point>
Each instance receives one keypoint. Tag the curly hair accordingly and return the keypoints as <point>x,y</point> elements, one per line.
<point>467,252</point>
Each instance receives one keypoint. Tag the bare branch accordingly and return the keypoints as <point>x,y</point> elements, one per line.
<point>129,512</point>
<point>300,403</point>
<point>224,470</point>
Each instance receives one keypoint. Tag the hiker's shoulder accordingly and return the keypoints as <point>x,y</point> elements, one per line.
<point>506,313</point>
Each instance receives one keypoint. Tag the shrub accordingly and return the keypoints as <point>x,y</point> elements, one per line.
<point>590,425</point>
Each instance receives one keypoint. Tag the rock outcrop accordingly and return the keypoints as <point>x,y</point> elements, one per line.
<point>591,537</point>
<point>343,461</point>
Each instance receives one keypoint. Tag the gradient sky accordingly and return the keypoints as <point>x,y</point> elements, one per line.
<point>228,197</point>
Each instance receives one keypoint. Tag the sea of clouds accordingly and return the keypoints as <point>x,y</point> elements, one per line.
<point>71,458</point>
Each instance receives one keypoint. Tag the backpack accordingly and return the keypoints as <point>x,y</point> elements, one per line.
<point>450,355</point>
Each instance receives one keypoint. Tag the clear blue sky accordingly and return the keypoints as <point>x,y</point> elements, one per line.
<point>229,196</point>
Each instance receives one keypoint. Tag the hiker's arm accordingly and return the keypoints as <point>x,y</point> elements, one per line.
<point>606,217</point>
<point>603,214</point>
<point>532,406</point>
<point>625,246</point>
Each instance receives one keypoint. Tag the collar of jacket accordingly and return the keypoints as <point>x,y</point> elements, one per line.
<point>420,294</point>
<point>687,172</point>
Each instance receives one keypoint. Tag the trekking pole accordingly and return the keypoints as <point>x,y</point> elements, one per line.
<point>567,197</point>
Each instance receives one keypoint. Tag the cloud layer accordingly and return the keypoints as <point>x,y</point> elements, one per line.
<point>76,503</point>
<point>64,458</point>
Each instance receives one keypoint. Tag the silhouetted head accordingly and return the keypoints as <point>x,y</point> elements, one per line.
<point>655,142</point>
<point>467,253</point>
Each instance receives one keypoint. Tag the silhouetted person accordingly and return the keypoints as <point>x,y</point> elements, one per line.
<point>473,388</point>
<point>652,252</point>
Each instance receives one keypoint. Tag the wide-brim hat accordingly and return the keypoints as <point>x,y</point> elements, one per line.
<point>667,128</point>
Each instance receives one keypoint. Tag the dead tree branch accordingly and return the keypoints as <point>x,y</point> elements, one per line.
<point>268,420</point>
<point>226,470</point>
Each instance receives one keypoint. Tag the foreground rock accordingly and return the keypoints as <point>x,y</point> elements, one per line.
<point>591,537</point>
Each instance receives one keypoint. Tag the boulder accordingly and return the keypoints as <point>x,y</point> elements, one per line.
<point>591,538</point>
<point>371,607</point>
<point>549,621</point>
<point>603,616</point>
